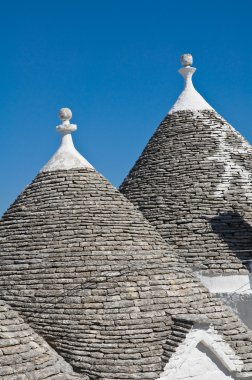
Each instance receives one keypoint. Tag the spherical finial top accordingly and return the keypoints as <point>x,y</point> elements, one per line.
<point>65,114</point>
<point>186,60</point>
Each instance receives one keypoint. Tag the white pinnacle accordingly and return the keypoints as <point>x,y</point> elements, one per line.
<point>186,59</point>
<point>189,99</point>
<point>66,157</point>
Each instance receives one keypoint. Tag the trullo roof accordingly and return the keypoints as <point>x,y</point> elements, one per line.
<point>93,277</point>
<point>26,356</point>
<point>193,183</point>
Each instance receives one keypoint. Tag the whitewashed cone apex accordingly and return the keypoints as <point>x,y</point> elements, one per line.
<point>66,157</point>
<point>189,99</point>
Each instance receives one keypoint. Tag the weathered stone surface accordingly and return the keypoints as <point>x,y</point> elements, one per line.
<point>97,281</point>
<point>193,183</point>
<point>25,355</point>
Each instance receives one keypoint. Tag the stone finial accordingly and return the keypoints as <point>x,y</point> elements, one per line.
<point>186,60</point>
<point>189,99</point>
<point>66,157</point>
<point>187,70</point>
<point>65,115</point>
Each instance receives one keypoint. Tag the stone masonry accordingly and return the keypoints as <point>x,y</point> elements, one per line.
<point>193,183</point>
<point>94,278</point>
<point>24,355</point>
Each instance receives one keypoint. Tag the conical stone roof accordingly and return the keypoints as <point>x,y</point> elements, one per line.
<point>96,280</point>
<point>24,355</point>
<point>193,183</point>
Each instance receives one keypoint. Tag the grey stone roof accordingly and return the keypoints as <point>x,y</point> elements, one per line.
<point>94,278</point>
<point>25,355</point>
<point>193,183</point>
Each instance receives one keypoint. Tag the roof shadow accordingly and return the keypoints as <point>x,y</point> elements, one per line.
<point>236,233</point>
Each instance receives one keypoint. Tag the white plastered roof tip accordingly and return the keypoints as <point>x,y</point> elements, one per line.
<point>189,99</point>
<point>66,157</point>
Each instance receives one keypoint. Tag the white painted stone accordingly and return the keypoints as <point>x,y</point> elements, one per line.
<point>223,154</point>
<point>203,355</point>
<point>227,284</point>
<point>198,366</point>
<point>189,99</point>
<point>235,291</point>
<point>66,157</point>
<point>186,59</point>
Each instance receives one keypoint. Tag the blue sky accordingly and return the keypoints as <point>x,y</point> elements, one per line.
<point>114,63</point>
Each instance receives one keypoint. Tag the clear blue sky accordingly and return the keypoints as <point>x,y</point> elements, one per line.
<point>114,63</point>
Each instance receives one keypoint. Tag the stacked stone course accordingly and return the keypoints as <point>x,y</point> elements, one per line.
<point>192,183</point>
<point>26,356</point>
<point>94,278</point>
